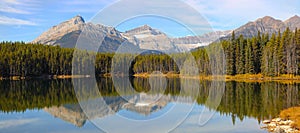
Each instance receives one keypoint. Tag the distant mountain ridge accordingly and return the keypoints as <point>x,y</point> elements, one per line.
<point>67,33</point>
<point>267,25</point>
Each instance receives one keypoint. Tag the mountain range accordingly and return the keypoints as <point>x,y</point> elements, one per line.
<point>67,33</point>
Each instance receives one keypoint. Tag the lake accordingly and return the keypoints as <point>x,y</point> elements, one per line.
<point>164,104</point>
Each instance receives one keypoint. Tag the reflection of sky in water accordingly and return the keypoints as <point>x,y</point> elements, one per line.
<point>218,123</point>
<point>39,121</point>
<point>43,123</point>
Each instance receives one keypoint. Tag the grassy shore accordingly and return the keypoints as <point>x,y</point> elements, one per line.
<point>44,77</point>
<point>293,114</point>
<point>240,78</point>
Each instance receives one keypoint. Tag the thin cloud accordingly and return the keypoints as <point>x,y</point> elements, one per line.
<point>11,1</point>
<point>13,123</point>
<point>9,9</point>
<point>14,21</point>
<point>17,6</point>
<point>231,13</point>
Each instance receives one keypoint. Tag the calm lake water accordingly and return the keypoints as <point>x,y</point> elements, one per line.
<point>36,106</point>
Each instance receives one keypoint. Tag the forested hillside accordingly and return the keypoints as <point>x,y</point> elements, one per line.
<point>272,55</point>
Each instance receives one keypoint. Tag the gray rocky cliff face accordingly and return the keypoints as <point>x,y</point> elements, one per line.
<point>55,33</point>
<point>148,38</point>
<point>66,34</point>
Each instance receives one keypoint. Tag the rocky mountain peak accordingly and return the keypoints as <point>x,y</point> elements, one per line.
<point>145,29</point>
<point>141,28</point>
<point>77,20</point>
<point>55,33</point>
<point>266,24</point>
<point>267,18</point>
<point>67,33</point>
<point>146,37</point>
<point>293,22</point>
<point>294,18</point>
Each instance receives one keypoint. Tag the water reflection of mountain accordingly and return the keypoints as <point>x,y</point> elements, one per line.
<point>69,112</point>
<point>73,113</point>
<point>240,100</point>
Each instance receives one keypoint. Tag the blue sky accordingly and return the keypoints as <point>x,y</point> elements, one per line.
<point>24,20</point>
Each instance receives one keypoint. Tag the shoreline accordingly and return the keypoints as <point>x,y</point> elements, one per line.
<point>45,77</point>
<point>286,122</point>
<point>279,125</point>
<point>237,78</point>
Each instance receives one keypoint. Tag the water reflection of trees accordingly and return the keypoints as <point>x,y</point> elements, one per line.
<point>258,100</point>
<point>240,99</point>
<point>34,94</point>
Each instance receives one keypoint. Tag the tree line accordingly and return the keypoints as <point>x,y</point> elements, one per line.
<point>269,55</point>
<point>21,59</point>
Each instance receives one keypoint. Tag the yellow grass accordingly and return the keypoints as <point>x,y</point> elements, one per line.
<point>287,79</point>
<point>71,76</point>
<point>53,77</point>
<point>292,114</point>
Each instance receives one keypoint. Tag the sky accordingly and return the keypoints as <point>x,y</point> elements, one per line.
<point>24,20</point>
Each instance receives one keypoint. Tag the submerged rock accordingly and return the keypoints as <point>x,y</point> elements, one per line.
<point>266,121</point>
<point>279,125</point>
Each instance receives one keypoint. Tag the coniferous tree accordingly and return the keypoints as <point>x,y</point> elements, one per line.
<point>297,41</point>
<point>267,58</point>
<point>278,55</point>
<point>231,56</point>
<point>249,65</point>
<point>240,55</point>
